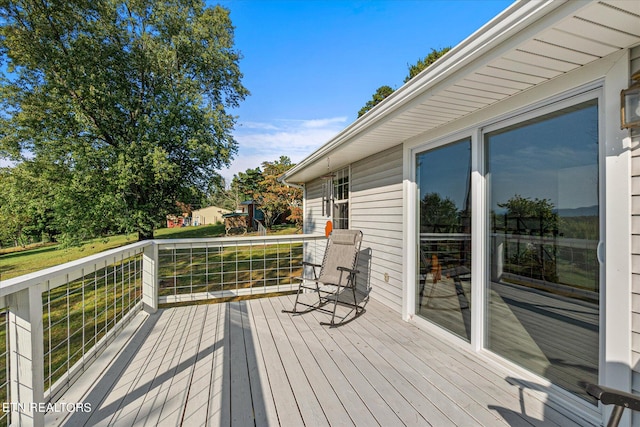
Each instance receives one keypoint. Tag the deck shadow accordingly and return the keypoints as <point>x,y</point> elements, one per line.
<point>233,348</point>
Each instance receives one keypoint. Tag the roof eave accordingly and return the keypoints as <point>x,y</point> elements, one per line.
<point>512,20</point>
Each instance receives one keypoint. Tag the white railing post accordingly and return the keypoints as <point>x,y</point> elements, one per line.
<point>150,278</point>
<point>27,356</point>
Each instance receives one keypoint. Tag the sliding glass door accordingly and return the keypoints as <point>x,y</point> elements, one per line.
<point>543,287</point>
<point>444,285</point>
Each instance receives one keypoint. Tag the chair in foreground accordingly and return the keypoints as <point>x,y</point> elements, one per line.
<point>610,396</point>
<point>337,274</point>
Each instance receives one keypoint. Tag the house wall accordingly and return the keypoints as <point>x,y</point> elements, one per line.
<point>376,206</point>
<point>635,244</point>
<point>209,215</point>
<point>314,222</point>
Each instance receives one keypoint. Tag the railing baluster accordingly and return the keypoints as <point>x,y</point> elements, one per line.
<point>7,366</point>
<point>27,355</point>
<point>150,278</point>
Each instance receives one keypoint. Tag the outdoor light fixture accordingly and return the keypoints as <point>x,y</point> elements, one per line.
<point>630,104</point>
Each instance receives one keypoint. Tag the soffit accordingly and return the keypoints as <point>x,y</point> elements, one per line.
<point>585,35</point>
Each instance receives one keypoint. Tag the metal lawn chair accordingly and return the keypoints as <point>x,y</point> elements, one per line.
<point>618,398</point>
<point>337,274</point>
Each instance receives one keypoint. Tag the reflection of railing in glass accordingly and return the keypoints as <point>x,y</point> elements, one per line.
<point>533,241</point>
<point>444,294</point>
<point>563,261</point>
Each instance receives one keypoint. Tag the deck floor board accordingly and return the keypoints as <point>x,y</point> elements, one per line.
<point>247,363</point>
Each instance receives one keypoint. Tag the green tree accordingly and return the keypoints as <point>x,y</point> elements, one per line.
<point>247,185</point>
<point>378,97</point>
<point>130,97</point>
<point>278,199</point>
<point>28,195</point>
<point>274,199</point>
<point>425,62</point>
<point>384,91</point>
<point>219,195</point>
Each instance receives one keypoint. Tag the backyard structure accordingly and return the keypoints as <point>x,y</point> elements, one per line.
<point>497,194</point>
<point>247,217</point>
<point>236,222</point>
<point>208,216</point>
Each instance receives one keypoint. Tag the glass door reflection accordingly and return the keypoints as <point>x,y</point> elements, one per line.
<point>544,287</point>
<point>444,288</point>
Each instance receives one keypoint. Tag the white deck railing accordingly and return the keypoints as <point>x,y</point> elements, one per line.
<point>55,322</point>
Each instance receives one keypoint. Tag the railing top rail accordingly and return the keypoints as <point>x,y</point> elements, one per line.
<point>16,284</point>
<point>238,239</point>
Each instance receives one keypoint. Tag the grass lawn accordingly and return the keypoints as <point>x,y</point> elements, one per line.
<point>16,263</point>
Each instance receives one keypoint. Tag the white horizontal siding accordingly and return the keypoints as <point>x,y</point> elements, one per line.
<point>635,247</point>
<point>376,206</point>
<point>314,222</point>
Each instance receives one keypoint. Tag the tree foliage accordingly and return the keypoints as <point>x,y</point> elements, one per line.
<point>277,201</point>
<point>248,184</point>
<point>536,217</point>
<point>30,202</point>
<point>438,214</point>
<point>530,216</point>
<point>425,62</point>
<point>378,97</point>
<point>384,91</point>
<point>219,195</point>
<point>276,198</point>
<point>129,98</point>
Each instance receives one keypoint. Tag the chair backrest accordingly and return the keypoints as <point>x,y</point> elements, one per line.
<point>342,250</point>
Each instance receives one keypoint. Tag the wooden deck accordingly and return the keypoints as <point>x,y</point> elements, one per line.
<point>247,363</point>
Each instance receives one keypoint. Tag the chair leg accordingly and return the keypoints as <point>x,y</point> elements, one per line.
<point>615,417</point>
<point>335,305</point>
<point>319,295</point>
<point>355,300</point>
<point>295,304</point>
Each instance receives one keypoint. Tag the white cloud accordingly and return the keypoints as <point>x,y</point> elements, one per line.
<point>257,125</point>
<point>259,142</point>
<point>324,123</point>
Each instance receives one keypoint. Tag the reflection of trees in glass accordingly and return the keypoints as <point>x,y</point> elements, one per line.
<point>529,257</point>
<point>533,217</point>
<point>439,215</point>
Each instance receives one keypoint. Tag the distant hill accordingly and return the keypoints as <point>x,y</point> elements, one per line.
<point>584,211</point>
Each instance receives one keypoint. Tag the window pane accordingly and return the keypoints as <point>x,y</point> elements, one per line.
<point>543,292</point>
<point>341,199</point>
<point>341,215</point>
<point>444,288</point>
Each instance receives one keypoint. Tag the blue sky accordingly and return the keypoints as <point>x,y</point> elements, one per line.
<point>311,65</point>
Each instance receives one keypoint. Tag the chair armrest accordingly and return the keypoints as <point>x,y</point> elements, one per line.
<point>610,396</point>
<point>350,270</point>
<point>310,263</point>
